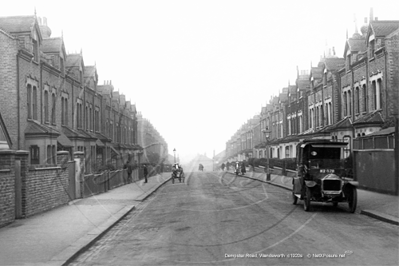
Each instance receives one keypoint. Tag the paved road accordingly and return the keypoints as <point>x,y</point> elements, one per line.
<point>223,220</point>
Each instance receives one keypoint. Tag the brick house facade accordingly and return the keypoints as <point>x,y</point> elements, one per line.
<point>52,101</point>
<point>341,98</point>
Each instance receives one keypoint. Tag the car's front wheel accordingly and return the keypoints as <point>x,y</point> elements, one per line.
<point>352,199</point>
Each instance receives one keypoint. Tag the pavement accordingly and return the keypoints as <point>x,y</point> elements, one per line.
<point>57,236</point>
<point>383,207</point>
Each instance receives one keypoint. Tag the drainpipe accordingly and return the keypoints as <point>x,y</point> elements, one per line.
<point>18,104</point>
<point>396,154</point>
<point>386,83</point>
<point>352,108</point>
<point>41,93</point>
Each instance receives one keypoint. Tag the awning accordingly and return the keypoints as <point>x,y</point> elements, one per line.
<point>99,143</point>
<point>64,141</point>
<point>114,150</point>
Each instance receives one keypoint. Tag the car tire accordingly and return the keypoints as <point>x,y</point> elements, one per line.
<point>306,200</point>
<point>294,199</point>
<point>352,199</point>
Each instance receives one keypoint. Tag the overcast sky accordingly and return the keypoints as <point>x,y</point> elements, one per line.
<point>198,70</point>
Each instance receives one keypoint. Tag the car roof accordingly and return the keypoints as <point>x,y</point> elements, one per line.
<point>322,143</point>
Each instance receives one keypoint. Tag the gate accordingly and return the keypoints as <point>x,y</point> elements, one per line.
<point>72,180</point>
<point>78,172</point>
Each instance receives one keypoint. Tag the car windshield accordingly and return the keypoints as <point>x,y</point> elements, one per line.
<point>324,158</point>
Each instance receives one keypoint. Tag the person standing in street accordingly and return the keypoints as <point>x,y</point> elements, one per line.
<point>243,167</point>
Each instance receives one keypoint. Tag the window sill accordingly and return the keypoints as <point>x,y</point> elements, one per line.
<point>5,170</point>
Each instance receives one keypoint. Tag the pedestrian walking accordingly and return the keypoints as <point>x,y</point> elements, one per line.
<point>243,169</point>
<point>145,172</point>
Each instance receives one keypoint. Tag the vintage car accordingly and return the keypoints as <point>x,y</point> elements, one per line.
<point>321,176</point>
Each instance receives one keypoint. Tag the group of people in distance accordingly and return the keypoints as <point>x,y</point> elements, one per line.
<point>238,166</point>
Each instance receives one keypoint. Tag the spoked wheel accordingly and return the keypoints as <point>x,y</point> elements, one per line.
<point>352,199</point>
<point>306,200</point>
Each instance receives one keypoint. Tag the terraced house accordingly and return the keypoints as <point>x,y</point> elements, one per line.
<point>353,98</point>
<point>51,101</point>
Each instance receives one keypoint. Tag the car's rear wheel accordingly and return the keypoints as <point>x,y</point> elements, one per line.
<point>306,200</point>
<point>294,198</point>
<point>352,199</point>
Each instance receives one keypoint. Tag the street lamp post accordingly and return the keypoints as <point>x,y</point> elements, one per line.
<point>267,134</point>
<point>174,155</point>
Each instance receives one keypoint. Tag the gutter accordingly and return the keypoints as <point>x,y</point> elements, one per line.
<point>386,84</point>
<point>18,105</point>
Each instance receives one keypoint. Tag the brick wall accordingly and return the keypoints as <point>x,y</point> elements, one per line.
<point>50,77</point>
<point>28,70</point>
<point>46,188</point>
<point>392,44</point>
<point>7,192</point>
<point>8,83</point>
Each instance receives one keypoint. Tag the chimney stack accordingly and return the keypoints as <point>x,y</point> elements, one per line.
<point>371,15</point>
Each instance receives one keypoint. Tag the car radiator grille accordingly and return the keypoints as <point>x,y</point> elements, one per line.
<point>332,185</point>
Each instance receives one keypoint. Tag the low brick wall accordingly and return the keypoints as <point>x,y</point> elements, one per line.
<point>7,197</point>
<point>45,188</point>
<point>117,178</point>
<point>94,184</point>
<point>7,187</point>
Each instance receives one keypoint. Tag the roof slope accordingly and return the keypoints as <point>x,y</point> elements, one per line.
<point>17,23</point>
<point>384,27</point>
<point>51,45</point>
